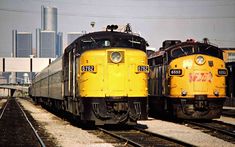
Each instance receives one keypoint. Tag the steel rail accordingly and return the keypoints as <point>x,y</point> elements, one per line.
<point>165,137</point>
<point>122,138</point>
<point>4,109</point>
<point>224,123</point>
<point>212,128</point>
<point>131,142</point>
<point>228,113</point>
<point>34,130</point>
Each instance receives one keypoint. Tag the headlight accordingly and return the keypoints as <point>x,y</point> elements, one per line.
<point>200,60</point>
<point>116,57</point>
<point>183,92</point>
<point>216,93</point>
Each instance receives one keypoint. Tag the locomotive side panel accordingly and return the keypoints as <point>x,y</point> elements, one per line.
<point>44,83</point>
<point>55,80</point>
<point>70,61</point>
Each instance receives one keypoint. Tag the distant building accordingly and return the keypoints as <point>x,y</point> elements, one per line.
<point>38,31</point>
<point>59,44</point>
<point>22,44</point>
<point>47,44</point>
<point>71,36</point>
<point>3,80</point>
<point>22,47</point>
<point>229,54</point>
<point>49,18</point>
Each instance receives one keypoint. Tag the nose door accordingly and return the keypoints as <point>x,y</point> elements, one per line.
<point>116,78</point>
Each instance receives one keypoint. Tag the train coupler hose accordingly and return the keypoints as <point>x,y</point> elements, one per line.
<point>119,119</point>
<point>137,108</point>
<point>98,114</point>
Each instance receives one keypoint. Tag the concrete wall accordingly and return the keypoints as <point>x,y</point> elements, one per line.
<point>24,64</point>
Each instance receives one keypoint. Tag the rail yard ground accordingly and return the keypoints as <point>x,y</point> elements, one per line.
<point>64,134</point>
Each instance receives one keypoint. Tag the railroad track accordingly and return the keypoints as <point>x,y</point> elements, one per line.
<point>15,127</point>
<point>135,136</point>
<point>219,129</point>
<point>228,113</point>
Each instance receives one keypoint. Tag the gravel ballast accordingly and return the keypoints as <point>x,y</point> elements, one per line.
<point>65,134</point>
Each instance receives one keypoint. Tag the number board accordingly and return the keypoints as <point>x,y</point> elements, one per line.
<point>143,68</point>
<point>88,68</point>
<point>176,72</point>
<point>222,72</point>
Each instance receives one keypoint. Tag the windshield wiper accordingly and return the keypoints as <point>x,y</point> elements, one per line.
<point>93,40</point>
<point>183,50</point>
<point>208,47</point>
<point>135,42</point>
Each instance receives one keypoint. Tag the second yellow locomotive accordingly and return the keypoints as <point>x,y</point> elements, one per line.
<point>187,80</point>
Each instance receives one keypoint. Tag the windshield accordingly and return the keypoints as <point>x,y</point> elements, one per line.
<point>182,51</point>
<point>195,49</point>
<point>94,43</point>
<point>210,50</point>
<point>114,41</point>
<point>129,42</point>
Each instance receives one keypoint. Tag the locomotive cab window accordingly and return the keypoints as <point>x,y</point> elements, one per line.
<point>182,51</point>
<point>111,40</point>
<point>130,42</point>
<point>210,50</point>
<point>92,43</point>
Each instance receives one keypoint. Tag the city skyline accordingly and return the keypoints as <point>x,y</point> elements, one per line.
<point>156,21</point>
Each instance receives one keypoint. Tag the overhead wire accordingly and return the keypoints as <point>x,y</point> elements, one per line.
<point>146,17</point>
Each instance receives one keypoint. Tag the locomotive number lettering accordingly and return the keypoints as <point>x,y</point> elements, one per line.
<point>222,72</point>
<point>88,68</point>
<point>176,72</point>
<point>200,77</point>
<point>143,68</point>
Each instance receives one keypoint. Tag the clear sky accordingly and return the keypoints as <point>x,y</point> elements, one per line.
<point>155,20</point>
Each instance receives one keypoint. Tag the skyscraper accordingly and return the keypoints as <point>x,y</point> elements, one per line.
<point>47,44</point>
<point>59,44</point>
<point>49,18</point>
<point>22,44</point>
<point>22,47</point>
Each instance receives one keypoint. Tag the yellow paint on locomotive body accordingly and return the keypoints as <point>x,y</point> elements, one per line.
<point>197,79</point>
<point>104,78</point>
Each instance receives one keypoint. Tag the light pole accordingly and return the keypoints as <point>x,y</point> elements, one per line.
<point>92,25</point>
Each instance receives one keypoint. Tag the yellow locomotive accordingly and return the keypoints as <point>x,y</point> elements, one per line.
<point>101,78</point>
<point>187,80</point>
